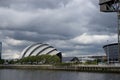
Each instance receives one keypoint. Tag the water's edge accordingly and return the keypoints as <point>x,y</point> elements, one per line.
<point>82,68</point>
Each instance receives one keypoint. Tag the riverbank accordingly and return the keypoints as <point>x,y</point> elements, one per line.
<point>82,68</point>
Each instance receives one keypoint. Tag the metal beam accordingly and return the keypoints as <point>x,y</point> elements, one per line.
<point>37,48</point>
<point>118,35</point>
<point>44,50</point>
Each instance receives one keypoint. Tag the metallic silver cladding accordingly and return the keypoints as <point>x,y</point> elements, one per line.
<point>51,51</point>
<point>37,48</point>
<point>29,49</point>
<point>44,50</point>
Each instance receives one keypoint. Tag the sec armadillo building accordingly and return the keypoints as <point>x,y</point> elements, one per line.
<point>39,49</point>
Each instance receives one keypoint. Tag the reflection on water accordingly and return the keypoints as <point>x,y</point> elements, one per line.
<point>14,74</point>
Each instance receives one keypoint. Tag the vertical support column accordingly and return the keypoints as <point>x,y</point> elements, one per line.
<point>0,53</point>
<point>118,36</point>
<point>108,56</point>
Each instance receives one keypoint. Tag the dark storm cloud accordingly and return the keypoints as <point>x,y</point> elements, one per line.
<point>33,4</point>
<point>103,22</point>
<point>58,24</point>
<point>36,37</point>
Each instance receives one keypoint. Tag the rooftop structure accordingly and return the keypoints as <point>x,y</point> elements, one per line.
<point>111,51</point>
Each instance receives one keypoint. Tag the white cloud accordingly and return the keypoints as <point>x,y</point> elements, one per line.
<point>9,54</point>
<point>13,42</point>
<point>93,39</point>
<point>15,18</point>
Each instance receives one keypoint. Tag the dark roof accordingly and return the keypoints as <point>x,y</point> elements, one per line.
<point>75,59</point>
<point>64,59</point>
<point>110,44</point>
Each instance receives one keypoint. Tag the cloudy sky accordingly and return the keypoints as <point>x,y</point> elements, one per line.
<point>74,27</point>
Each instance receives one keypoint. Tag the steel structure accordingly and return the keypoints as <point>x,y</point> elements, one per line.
<point>40,49</point>
<point>112,6</point>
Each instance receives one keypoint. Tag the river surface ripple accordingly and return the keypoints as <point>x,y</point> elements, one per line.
<point>17,74</point>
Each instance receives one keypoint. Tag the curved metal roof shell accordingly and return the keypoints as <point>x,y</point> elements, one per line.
<point>39,49</point>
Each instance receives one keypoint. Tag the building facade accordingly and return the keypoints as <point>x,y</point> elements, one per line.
<point>39,49</point>
<point>111,51</point>
<point>0,50</point>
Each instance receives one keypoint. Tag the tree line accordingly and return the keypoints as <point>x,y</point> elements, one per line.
<point>41,59</point>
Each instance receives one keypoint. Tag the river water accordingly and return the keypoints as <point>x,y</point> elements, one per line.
<point>17,74</point>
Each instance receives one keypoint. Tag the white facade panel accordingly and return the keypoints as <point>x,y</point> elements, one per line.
<point>31,49</point>
<point>46,51</point>
<point>54,52</point>
<point>38,50</point>
<point>24,51</point>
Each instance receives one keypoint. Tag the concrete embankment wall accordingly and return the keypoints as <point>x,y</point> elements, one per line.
<point>82,68</point>
<point>25,67</point>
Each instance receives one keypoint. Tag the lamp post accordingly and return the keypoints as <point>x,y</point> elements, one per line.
<point>107,53</point>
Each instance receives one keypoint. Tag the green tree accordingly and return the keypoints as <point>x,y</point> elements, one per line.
<point>54,59</point>
<point>44,59</point>
<point>2,61</point>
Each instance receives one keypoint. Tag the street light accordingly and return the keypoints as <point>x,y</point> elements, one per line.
<point>108,53</point>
